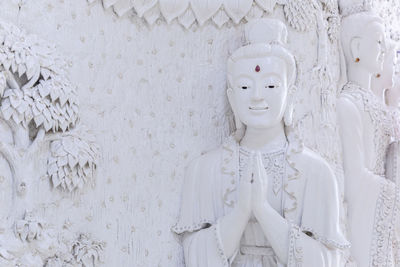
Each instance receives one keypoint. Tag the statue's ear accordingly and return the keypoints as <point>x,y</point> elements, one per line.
<point>229,93</point>
<point>288,115</point>
<point>238,123</point>
<point>355,43</point>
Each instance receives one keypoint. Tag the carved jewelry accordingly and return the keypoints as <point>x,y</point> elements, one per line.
<point>357,59</point>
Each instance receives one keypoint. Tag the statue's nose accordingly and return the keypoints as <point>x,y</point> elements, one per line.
<point>257,93</point>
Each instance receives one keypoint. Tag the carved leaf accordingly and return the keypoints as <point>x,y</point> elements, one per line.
<point>220,18</point>
<point>152,15</point>
<point>205,9</point>
<point>108,3</point>
<point>237,9</point>
<point>123,6</point>
<point>141,6</point>
<point>187,18</point>
<point>267,5</point>
<point>172,8</point>
<point>72,156</point>
<point>300,14</point>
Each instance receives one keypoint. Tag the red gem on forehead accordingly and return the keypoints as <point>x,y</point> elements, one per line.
<point>258,68</point>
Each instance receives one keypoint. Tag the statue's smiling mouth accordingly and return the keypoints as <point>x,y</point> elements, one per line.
<point>258,108</point>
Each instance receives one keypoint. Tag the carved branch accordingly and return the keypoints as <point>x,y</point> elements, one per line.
<point>8,152</point>
<point>322,40</point>
<point>19,132</point>
<point>52,136</point>
<point>12,82</point>
<point>37,141</point>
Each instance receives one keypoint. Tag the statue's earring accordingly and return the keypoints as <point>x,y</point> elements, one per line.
<point>357,60</point>
<point>378,75</point>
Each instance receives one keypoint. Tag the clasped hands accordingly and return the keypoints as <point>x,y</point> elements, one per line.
<point>253,188</point>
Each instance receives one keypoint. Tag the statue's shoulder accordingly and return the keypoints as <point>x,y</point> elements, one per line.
<point>206,160</point>
<point>348,101</point>
<point>349,109</point>
<point>211,161</point>
<point>312,165</point>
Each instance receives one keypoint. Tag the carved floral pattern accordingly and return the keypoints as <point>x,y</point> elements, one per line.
<point>29,228</point>
<point>86,251</point>
<point>299,13</point>
<point>382,123</point>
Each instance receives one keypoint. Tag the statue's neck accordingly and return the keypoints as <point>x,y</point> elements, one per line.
<point>359,76</point>
<point>257,139</point>
<point>379,91</point>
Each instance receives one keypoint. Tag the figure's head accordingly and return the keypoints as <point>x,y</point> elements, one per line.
<point>261,76</point>
<point>384,79</point>
<point>363,41</point>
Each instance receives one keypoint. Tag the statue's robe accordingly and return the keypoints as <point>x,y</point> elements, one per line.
<point>372,199</point>
<point>310,203</point>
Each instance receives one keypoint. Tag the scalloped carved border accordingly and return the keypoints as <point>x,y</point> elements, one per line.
<point>187,12</point>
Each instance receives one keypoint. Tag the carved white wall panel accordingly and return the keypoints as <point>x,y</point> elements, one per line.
<point>153,96</point>
<point>300,14</point>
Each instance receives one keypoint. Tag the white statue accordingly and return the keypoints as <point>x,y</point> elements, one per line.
<point>392,96</point>
<point>261,200</point>
<point>365,131</point>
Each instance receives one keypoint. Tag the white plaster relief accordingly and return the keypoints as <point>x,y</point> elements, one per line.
<point>131,188</point>
<point>37,99</point>
<point>39,108</point>
<point>300,14</point>
<point>72,160</point>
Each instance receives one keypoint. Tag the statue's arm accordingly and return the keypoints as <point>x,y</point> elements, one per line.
<point>219,240</point>
<point>351,132</point>
<point>363,189</point>
<point>309,242</point>
<point>290,244</point>
<point>216,245</point>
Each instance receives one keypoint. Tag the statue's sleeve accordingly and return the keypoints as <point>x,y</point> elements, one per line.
<point>203,248</point>
<point>201,207</point>
<point>393,174</point>
<point>318,240</point>
<point>371,198</point>
<point>305,251</point>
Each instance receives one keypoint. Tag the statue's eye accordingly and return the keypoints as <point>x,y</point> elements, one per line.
<point>245,87</point>
<point>271,86</point>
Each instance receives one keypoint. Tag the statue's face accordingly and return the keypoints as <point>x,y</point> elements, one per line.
<point>259,91</point>
<point>371,47</point>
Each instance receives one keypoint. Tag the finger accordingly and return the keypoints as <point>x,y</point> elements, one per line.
<point>248,173</point>
<point>256,177</point>
<point>253,166</point>
<point>261,168</point>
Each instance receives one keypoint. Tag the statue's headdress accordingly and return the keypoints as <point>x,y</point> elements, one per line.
<point>266,31</point>
<point>266,37</point>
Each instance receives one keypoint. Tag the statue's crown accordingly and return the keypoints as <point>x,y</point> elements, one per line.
<point>268,31</point>
<point>349,7</point>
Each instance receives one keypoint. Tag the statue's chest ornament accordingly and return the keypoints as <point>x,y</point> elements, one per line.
<point>274,163</point>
